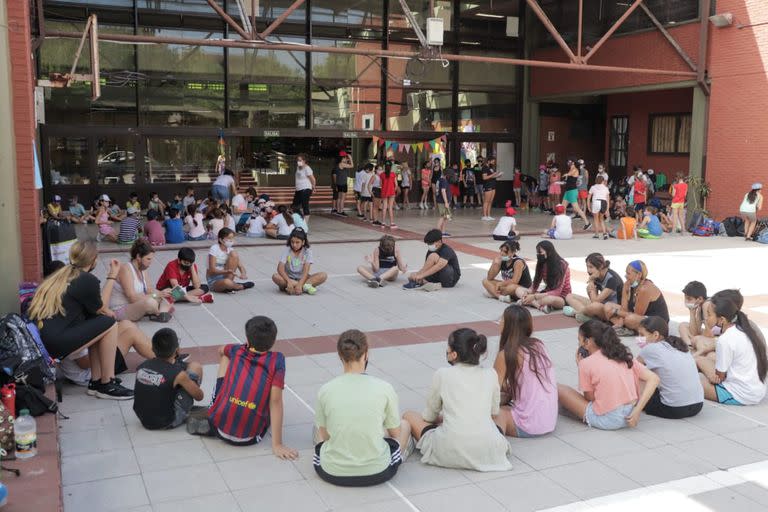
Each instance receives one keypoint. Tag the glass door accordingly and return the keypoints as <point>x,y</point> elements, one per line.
<point>619,143</point>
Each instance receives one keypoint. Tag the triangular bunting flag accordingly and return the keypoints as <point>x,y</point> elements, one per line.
<point>387,145</point>
<point>420,145</point>
<point>394,146</point>
<point>414,147</point>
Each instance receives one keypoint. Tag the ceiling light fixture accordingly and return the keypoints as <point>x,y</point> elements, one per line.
<point>486,15</point>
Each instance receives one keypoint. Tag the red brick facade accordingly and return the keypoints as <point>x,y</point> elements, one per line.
<point>23,82</point>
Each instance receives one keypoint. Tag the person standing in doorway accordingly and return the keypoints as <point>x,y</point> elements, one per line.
<point>517,186</point>
<point>305,184</point>
<point>490,174</point>
<point>341,173</point>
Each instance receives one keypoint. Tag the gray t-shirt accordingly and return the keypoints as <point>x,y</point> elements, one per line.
<point>677,372</point>
<point>294,265</point>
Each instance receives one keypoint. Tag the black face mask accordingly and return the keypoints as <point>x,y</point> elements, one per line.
<point>541,257</point>
<point>185,268</point>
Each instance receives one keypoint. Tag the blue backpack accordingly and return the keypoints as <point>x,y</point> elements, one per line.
<point>762,237</point>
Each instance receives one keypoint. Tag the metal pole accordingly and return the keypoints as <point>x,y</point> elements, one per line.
<point>82,43</point>
<point>613,29</point>
<point>95,66</point>
<point>704,8</point>
<point>372,52</point>
<point>669,37</point>
<point>581,28</point>
<point>280,19</point>
<point>536,8</point>
<point>232,23</point>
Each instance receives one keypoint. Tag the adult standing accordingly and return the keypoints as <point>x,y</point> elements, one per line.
<point>305,184</point>
<point>571,194</point>
<point>679,192</point>
<point>750,205</point>
<point>341,174</point>
<point>70,314</point>
<point>490,174</point>
<point>517,186</point>
<point>389,191</point>
<point>133,297</point>
<point>583,185</point>
<point>224,188</point>
<point>405,184</point>
<point>478,172</point>
<point>437,173</point>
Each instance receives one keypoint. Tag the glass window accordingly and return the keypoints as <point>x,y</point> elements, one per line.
<point>181,160</point>
<point>489,22</point>
<point>117,104</point>
<point>181,85</point>
<point>188,6</point>
<point>346,89</point>
<point>115,161</point>
<point>267,88</point>
<point>418,95</point>
<point>399,27</point>
<point>363,18</point>
<point>669,134</point>
<point>487,96</point>
<point>68,160</point>
<point>267,11</point>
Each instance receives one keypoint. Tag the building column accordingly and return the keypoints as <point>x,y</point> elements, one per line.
<point>699,128</point>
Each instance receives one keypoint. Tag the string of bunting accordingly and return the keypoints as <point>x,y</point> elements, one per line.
<point>406,147</point>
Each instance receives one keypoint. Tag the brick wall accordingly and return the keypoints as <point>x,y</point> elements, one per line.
<point>565,146</point>
<point>639,106</point>
<point>24,130</point>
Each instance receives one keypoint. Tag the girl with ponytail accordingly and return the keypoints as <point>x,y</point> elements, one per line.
<point>737,377</point>
<point>608,377</point>
<point>467,397</point>
<point>679,394</point>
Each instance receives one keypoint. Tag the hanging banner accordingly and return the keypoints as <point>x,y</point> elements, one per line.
<point>420,145</point>
<point>387,145</point>
<point>414,147</point>
<point>394,146</point>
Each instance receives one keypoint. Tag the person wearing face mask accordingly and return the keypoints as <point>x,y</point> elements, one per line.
<point>353,411</point>
<point>456,428</point>
<point>70,313</point>
<point>181,277</point>
<point>611,397</point>
<point>553,271</point>
<point>679,394</point>
<point>640,297</point>
<point>695,332</point>
<point>737,375</point>
<point>604,285</point>
<point>514,273</point>
<point>441,266</point>
<point>224,265</point>
<point>133,297</point>
<point>305,184</point>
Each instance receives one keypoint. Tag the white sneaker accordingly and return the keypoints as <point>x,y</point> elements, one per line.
<point>507,299</point>
<point>491,218</point>
<point>431,287</point>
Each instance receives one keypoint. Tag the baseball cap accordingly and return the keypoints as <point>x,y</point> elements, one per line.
<point>56,198</point>
<point>559,209</point>
<point>510,211</point>
<point>105,197</point>
<point>757,186</point>
<point>650,171</point>
<point>343,153</point>
<point>132,210</point>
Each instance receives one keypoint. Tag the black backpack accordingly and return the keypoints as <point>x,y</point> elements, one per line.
<point>734,226</point>
<point>23,358</point>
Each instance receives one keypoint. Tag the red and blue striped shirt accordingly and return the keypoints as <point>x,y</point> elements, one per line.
<point>241,408</point>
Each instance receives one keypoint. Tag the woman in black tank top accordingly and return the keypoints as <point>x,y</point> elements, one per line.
<point>639,298</point>
<point>514,273</point>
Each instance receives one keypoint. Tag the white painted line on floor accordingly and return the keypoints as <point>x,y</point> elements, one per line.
<point>399,494</point>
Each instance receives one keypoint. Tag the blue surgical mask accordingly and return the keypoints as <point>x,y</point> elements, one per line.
<point>635,284</point>
<point>506,258</point>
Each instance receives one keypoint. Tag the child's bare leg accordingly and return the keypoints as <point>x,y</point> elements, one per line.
<point>391,274</point>
<point>365,271</point>
<point>317,279</point>
<point>492,287</point>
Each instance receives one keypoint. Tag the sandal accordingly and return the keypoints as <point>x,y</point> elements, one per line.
<point>161,317</point>
<point>622,332</point>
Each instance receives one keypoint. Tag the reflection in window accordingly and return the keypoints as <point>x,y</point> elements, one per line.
<point>345,88</point>
<point>487,96</point>
<point>68,160</point>
<point>115,161</point>
<point>363,17</point>
<point>489,22</point>
<point>183,85</point>
<point>267,88</point>
<point>399,27</point>
<point>187,6</point>
<point>117,104</point>
<point>181,160</point>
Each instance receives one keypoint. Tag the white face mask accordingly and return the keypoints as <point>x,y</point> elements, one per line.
<point>432,248</point>
<point>229,243</point>
<point>690,305</point>
<point>641,341</point>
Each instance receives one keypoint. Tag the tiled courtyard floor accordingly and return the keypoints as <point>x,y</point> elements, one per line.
<point>717,460</point>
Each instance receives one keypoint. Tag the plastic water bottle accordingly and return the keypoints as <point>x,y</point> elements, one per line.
<point>25,433</point>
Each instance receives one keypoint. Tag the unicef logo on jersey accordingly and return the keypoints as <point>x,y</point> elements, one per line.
<point>242,403</point>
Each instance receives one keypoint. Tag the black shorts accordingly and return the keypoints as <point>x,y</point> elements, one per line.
<point>446,277</point>
<point>639,207</point>
<point>364,480</point>
<point>655,407</point>
<point>487,187</point>
<point>376,192</point>
<point>342,188</point>
<point>62,343</point>
<point>366,199</point>
<point>301,199</point>
<point>406,187</point>
<point>543,193</point>
<point>433,426</point>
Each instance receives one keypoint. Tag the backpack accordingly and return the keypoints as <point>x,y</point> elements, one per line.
<point>696,220</point>
<point>762,237</point>
<point>734,226</point>
<point>708,227</point>
<point>23,358</point>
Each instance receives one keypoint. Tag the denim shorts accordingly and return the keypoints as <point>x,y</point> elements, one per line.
<point>212,279</point>
<point>724,396</point>
<point>612,420</point>
<point>523,434</point>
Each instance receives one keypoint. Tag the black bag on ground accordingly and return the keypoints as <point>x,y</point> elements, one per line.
<point>31,398</point>
<point>23,358</point>
<point>734,226</point>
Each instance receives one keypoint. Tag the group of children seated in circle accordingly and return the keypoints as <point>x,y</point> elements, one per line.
<point>184,219</point>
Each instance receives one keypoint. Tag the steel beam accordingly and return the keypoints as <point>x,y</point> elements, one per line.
<point>613,29</point>
<point>377,52</point>
<point>701,71</point>
<point>40,25</point>
<point>536,8</point>
<point>280,19</point>
<point>668,37</point>
<point>231,22</point>
<point>581,25</point>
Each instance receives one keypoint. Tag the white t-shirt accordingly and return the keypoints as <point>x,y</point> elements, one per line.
<point>256,226</point>
<point>736,357</point>
<point>230,222</point>
<point>239,204</point>
<point>600,192</point>
<point>365,190</point>
<point>195,231</point>
<point>225,180</point>
<point>359,180</point>
<point>282,226</point>
<point>302,178</point>
<point>220,254</point>
<point>505,225</point>
<point>215,225</point>
<point>563,228</point>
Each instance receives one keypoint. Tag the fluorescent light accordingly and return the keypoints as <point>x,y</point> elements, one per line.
<point>476,43</point>
<point>486,15</point>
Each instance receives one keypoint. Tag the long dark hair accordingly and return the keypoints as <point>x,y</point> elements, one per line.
<point>301,235</point>
<point>607,341</point>
<point>387,168</point>
<point>516,336</point>
<point>286,213</point>
<point>752,196</point>
<point>729,309</point>
<point>657,324</point>
<point>554,265</point>
<point>191,211</point>
<point>468,345</point>
<point>598,261</point>
<point>513,246</point>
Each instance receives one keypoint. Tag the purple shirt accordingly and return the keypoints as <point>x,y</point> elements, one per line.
<point>535,409</point>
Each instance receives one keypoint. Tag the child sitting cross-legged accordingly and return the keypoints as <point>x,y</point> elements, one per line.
<point>384,265</point>
<point>241,413</point>
<point>166,388</point>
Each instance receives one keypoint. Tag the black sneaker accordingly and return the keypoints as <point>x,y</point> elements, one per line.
<point>248,285</point>
<point>587,226</point>
<point>359,216</point>
<point>343,214</point>
<point>93,384</point>
<point>113,391</point>
<point>333,212</point>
